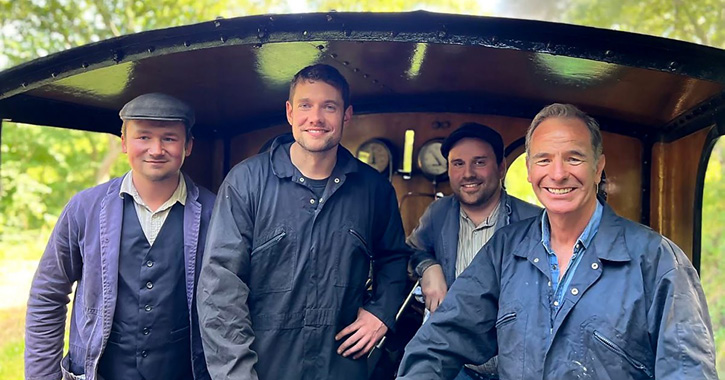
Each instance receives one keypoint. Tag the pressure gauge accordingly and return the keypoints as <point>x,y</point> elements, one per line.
<point>376,153</point>
<point>430,160</point>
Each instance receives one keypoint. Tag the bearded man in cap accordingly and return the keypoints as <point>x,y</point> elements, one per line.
<point>132,246</point>
<point>454,228</point>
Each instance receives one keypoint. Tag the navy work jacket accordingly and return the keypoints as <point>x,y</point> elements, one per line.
<point>436,237</point>
<point>286,271</point>
<point>634,310</point>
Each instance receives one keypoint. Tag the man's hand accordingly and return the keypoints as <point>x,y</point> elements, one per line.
<point>366,331</point>
<point>433,285</point>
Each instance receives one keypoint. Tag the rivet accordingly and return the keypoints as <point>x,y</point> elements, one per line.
<point>84,65</point>
<point>536,260</point>
<point>53,75</point>
<point>24,84</point>
<point>595,266</point>
<point>187,43</point>
<point>394,33</point>
<point>494,39</point>
<point>673,65</point>
<point>223,39</point>
<point>305,33</point>
<point>333,55</point>
<point>217,23</point>
<point>365,76</point>
<point>261,33</point>
<point>356,70</point>
<point>337,180</point>
<point>574,291</point>
<point>375,81</point>
<point>608,53</point>
<point>345,63</point>
<point>271,18</point>
<point>150,49</point>
<point>329,18</point>
<point>320,47</point>
<point>257,46</point>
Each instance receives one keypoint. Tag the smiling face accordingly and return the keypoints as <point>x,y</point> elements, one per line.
<point>156,149</point>
<point>475,176</point>
<point>317,115</point>
<point>562,167</point>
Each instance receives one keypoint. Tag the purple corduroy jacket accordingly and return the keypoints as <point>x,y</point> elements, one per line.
<point>83,250</point>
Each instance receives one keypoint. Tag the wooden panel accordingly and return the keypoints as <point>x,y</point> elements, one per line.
<point>674,173</point>
<point>624,174</point>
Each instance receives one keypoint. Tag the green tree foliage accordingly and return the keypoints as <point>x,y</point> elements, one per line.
<point>712,262</point>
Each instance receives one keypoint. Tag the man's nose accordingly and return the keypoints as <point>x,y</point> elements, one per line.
<point>558,170</point>
<point>316,116</point>
<point>156,147</point>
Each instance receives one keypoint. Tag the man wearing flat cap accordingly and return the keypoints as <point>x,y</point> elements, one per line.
<point>454,228</point>
<point>132,247</point>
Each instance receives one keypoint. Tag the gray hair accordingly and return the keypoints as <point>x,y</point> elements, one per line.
<point>568,111</point>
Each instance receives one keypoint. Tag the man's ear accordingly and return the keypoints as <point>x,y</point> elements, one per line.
<point>347,115</point>
<point>288,107</point>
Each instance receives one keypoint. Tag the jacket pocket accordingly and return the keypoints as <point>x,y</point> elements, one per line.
<point>511,336</point>
<point>352,267</point>
<point>273,263</point>
<point>506,319</point>
<point>616,349</point>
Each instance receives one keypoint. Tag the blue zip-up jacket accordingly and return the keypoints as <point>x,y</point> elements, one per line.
<point>83,250</point>
<point>436,237</point>
<point>634,310</point>
<point>285,271</point>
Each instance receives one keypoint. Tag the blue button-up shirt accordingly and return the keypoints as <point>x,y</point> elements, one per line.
<point>557,292</point>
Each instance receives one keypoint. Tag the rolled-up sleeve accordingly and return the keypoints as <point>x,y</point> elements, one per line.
<point>225,323</point>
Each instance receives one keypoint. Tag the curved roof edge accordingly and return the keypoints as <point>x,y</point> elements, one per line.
<point>624,48</point>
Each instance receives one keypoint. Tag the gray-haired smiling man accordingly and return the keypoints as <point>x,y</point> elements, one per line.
<point>577,293</point>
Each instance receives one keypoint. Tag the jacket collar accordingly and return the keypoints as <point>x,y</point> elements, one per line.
<point>608,244</point>
<point>281,162</point>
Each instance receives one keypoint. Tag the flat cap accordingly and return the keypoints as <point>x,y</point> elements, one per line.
<point>158,106</point>
<point>477,131</point>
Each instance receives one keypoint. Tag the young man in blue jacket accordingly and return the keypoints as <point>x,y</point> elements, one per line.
<point>133,247</point>
<point>578,293</point>
<point>454,228</point>
<point>282,288</point>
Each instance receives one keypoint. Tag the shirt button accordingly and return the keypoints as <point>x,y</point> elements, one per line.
<point>549,283</point>
<point>556,303</point>
<point>147,307</point>
<point>595,266</point>
<point>337,180</point>
<point>149,285</point>
<point>312,201</point>
<point>149,263</point>
<point>553,267</point>
<point>146,331</point>
<point>536,260</point>
<point>302,179</point>
<point>144,353</point>
<point>574,291</point>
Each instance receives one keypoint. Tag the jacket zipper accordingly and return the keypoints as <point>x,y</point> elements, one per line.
<point>269,242</point>
<point>365,245</point>
<point>509,317</point>
<point>619,351</point>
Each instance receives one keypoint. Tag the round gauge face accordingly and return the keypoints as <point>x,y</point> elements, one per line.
<point>430,160</point>
<point>376,154</point>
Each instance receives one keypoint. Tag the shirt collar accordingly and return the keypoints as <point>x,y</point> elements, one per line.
<point>282,165</point>
<point>490,221</point>
<point>179,194</point>
<point>586,236</point>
